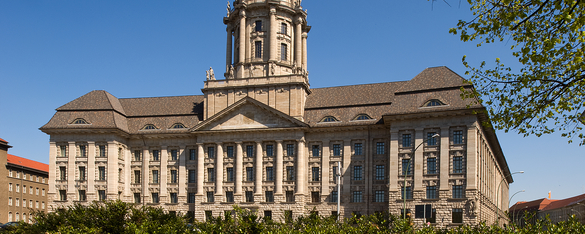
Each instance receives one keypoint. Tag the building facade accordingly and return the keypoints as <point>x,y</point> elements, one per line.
<point>27,185</point>
<point>262,139</point>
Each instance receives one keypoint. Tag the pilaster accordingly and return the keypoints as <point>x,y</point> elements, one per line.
<point>301,168</point>
<point>279,168</point>
<point>200,168</point>
<point>418,160</point>
<point>239,169</point>
<point>164,171</point>
<point>259,166</point>
<point>444,160</point>
<point>219,169</point>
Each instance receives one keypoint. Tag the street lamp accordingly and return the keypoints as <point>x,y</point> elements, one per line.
<point>513,214</point>
<point>408,169</point>
<point>498,191</point>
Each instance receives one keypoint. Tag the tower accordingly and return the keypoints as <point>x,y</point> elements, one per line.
<point>266,57</point>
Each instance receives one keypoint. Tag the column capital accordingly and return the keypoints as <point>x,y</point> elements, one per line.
<point>199,144</point>
<point>305,35</point>
<point>243,13</point>
<point>279,141</point>
<point>298,20</point>
<point>273,10</point>
<point>239,142</point>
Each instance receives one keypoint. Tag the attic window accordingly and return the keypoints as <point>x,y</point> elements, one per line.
<point>178,126</point>
<point>362,117</point>
<point>149,127</point>
<point>329,119</point>
<point>433,102</point>
<point>80,121</point>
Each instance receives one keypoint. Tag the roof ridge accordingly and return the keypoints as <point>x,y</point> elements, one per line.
<point>392,82</point>
<point>161,97</point>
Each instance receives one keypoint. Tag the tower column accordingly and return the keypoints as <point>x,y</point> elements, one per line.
<point>228,54</point>
<point>298,46</point>
<point>242,50</point>
<point>305,35</point>
<point>279,172</point>
<point>273,29</point>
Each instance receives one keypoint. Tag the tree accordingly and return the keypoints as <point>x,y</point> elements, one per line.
<point>547,93</point>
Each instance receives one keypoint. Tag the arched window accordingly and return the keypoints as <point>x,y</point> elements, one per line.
<point>79,121</point>
<point>328,119</point>
<point>433,102</point>
<point>362,117</point>
<point>178,126</point>
<point>149,127</point>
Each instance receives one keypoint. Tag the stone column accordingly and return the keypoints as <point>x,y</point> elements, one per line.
<point>182,173</point>
<point>239,169</point>
<point>305,35</point>
<point>228,49</point>
<point>325,170</point>
<point>298,46</point>
<point>279,168</point>
<point>301,168</point>
<point>219,170</point>
<point>393,170</point>
<point>71,170</point>
<point>418,160</point>
<point>90,171</point>
<point>242,50</point>
<point>273,30</point>
<point>471,157</point>
<point>444,159</point>
<point>346,179</point>
<point>127,168</point>
<point>145,174</point>
<point>200,168</point>
<point>259,167</point>
<point>53,167</point>
<point>164,172</point>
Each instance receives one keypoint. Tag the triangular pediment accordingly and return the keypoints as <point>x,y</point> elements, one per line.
<point>248,113</point>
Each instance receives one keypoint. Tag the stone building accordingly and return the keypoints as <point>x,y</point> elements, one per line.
<point>27,184</point>
<point>262,139</point>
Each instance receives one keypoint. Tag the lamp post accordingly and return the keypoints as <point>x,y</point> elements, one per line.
<point>521,191</point>
<point>498,191</point>
<point>408,169</point>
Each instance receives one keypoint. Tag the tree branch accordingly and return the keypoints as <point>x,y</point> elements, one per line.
<point>530,16</point>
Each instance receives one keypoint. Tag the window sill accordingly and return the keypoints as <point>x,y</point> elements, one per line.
<point>266,202</point>
<point>288,202</point>
<point>457,199</point>
<point>430,199</point>
<point>225,203</point>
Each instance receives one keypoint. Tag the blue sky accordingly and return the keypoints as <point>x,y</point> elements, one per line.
<point>52,52</point>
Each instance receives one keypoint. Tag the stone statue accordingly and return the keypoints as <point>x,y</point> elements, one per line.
<point>229,8</point>
<point>231,72</point>
<point>272,68</point>
<point>294,68</point>
<point>207,74</point>
<point>211,74</point>
<point>472,207</point>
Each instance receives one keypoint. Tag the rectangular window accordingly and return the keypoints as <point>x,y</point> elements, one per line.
<point>101,173</point>
<point>63,150</point>
<point>335,173</point>
<point>174,155</point>
<point>406,167</point>
<point>379,196</point>
<point>155,155</point>
<point>258,26</point>
<point>458,137</point>
<point>290,196</point>
<point>380,172</point>
<point>269,150</point>
<point>136,155</point>
<point>431,166</point>
<point>137,198</point>
<point>249,173</point>
<point>155,176</point>
<point>230,174</point>
<point>430,139</point>
<point>210,197</point>
<point>357,172</point>
<point>380,148</point>
<point>258,49</point>
<point>290,150</point>
<point>82,173</point>
<point>249,151</point>
<point>288,215</point>
<point>406,140</point>
<point>102,195</point>
<point>102,151</point>
<point>269,174</point>
<point>249,196</point>
<point>208,215</point>
<point>82,196</point>
<point>211,152</point>
<point>432,192</point>
<point>290,173</point>
<point>174,177</point>
<point>63,195</point>
<point>137,176</point>
<point>333,196</point>
<point>315,174</point>
<point>230,151</point>
<point>356,196</point>
<point>174,198</point>
<point>457,191</point>
<point>191,198</point>
<point>192,176</point>
<point>210,174</point>
<point>315,150</point>
<point>408,193</point>
<point>192,154</point>
<point>336,150</point>
<point>315,197</point>
<point>283,52</point>
<point>457,164</point>
<point>62,173</point>
<point>269,196</point>
<point>433,218</point>
<point>18,188</point>
<point>82,151</point>
<point>229,196</point>
<point>357,148</point>
<point>10,187</point>
<point>155,198</point>
<point>283,28</point>
<point>457,215</point>
<point>267,215</point>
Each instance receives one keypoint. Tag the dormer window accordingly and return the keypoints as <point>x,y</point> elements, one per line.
<point>362,117</point>
<point>329,119</point>
<point>178,126</point>
<point>79,121</point>
<point>433,102</point>
<point>149,127</point>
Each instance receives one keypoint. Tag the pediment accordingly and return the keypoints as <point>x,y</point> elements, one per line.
<point>248,113</point>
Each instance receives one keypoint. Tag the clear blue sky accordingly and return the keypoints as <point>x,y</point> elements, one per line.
<point>52,52</point>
